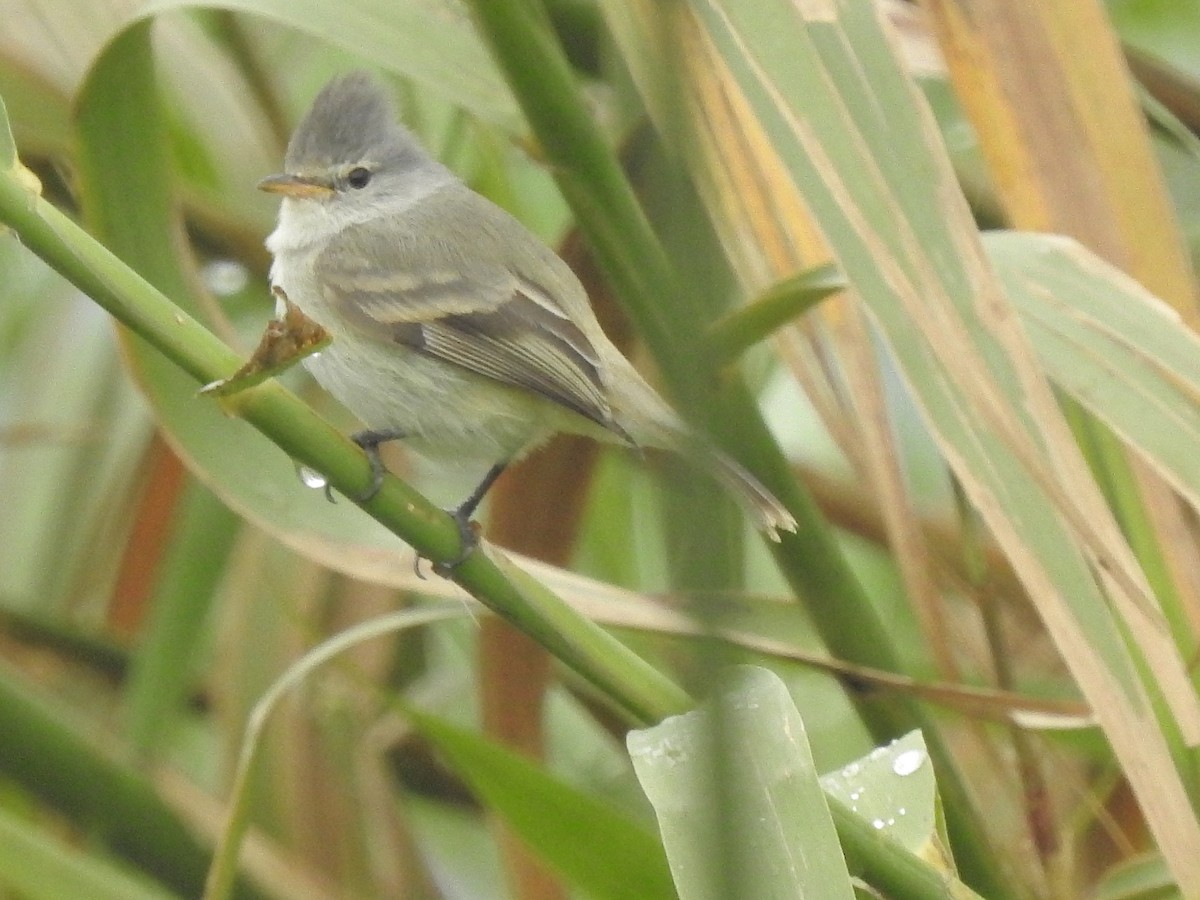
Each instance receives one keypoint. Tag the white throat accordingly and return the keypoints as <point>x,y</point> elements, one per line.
<point>305,222</point>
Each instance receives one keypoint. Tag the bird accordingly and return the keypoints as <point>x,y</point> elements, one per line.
<point>454,328</point>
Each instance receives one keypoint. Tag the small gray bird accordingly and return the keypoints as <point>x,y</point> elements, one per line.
<point>453,327</point>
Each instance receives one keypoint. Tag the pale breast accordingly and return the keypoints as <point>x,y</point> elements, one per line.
<point>446,411</point>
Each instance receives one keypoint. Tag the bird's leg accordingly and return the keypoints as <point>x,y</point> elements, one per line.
<point>369,441</point>
<point>461,514</point>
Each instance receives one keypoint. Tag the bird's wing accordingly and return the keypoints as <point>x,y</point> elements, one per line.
<point>472,313</point>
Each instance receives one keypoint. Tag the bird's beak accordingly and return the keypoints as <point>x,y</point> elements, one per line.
<point>295,186</point>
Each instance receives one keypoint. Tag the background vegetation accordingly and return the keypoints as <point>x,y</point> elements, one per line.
<point>212,680</point>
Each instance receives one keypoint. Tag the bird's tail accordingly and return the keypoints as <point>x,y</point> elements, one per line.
<point>642,419</point>
<point>768,514</point>
<point>666,432</point>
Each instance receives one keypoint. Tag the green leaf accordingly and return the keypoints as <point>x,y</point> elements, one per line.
<point>780,305</point>
<point>1143,877</point>
<point>1111,345</point>
<point>750,819</point>
<point>38,867</point>
<point>580,836</point>
<point>894,789</point>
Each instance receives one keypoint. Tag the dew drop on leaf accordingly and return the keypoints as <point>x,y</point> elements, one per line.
<point>908,762</point>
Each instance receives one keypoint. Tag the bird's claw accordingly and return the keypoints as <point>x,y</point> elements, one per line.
<point>376,479</point>
<point>369,442</point>
<point>468,536</point>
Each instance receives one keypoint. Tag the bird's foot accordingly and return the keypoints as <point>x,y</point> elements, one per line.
<point>468,531</point>
<point>369,441</point>
<point>468,540</point>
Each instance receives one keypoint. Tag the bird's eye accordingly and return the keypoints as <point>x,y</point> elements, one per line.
<point>358,177</point>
